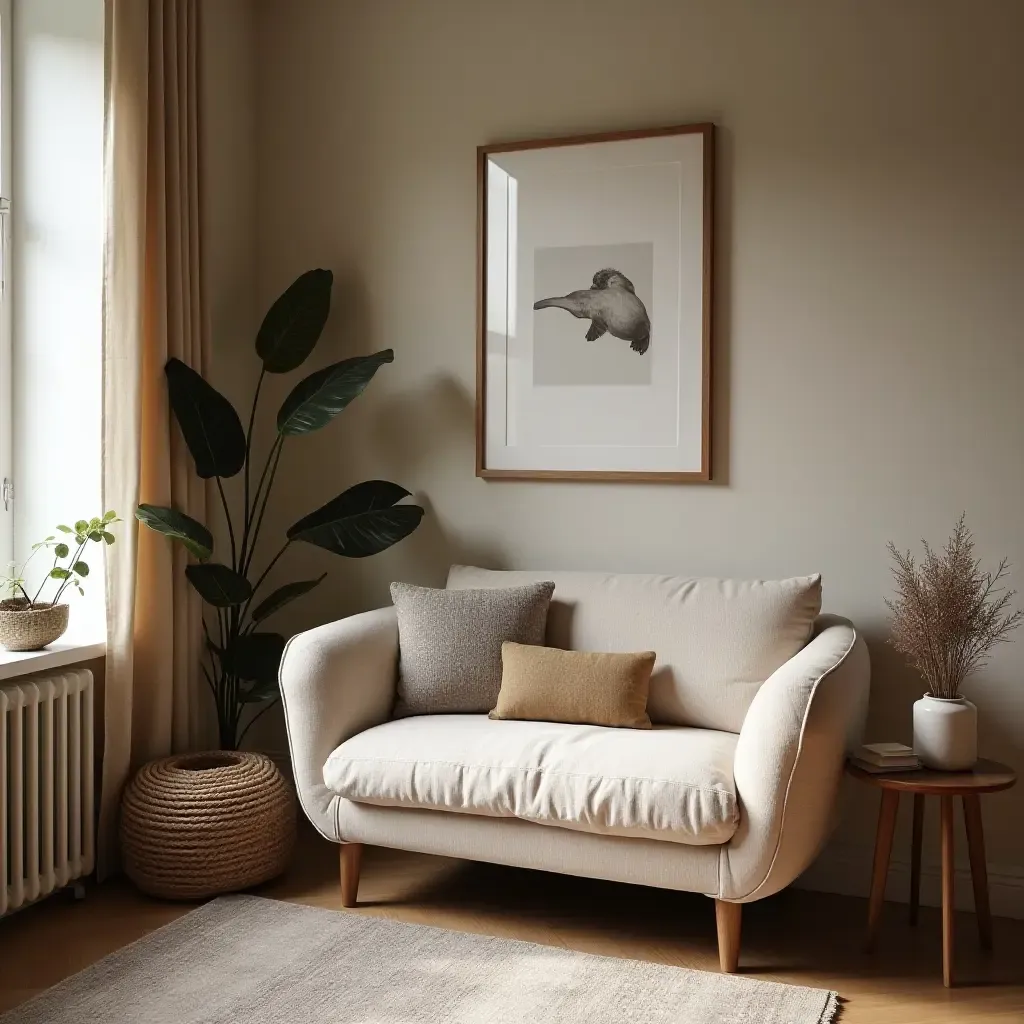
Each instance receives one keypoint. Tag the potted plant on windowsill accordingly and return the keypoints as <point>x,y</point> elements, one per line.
<point>946,617</point>
<point>29,623</point>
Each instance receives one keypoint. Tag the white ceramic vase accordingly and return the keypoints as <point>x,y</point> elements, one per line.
<point>946,733</point>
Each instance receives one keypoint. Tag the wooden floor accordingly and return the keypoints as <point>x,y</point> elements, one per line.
<point>802,937</point>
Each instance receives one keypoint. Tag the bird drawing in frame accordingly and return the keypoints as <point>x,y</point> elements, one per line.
<point>611,305</point>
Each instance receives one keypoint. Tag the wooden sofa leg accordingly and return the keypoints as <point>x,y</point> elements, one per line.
<point>729,917</point>
<point>351,861</point>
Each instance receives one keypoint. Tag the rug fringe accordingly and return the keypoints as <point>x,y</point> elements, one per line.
<point>832,1007</point>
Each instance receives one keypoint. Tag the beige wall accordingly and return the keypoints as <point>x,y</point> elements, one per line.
<point>228,177</point>
<point>869,297</point>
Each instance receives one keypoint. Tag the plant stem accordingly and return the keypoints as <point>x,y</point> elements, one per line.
<point>209,651</point>
<point>248,455</point>
<point>250,512</point>
<point>259,486</point>
<point>227,516</point>
<point>209,682</point>
<point>217,687</point>
<point>72,563</point>
<point>228,721</point>
<point>266,707</point>
<point>240,559</point>
<point>266,572</point>
<point>227,733</point>
<point>275,454</point>
<point>45,578</point>
<point>21,573</point>
<point>222,678</point>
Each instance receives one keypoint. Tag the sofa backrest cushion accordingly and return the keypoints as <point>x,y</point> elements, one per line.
<point>716,641</point>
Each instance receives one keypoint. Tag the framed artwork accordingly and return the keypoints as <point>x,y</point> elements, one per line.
<point>594,300</point>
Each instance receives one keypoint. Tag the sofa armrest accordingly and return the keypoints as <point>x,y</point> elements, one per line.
<point>789,761</point>
<point>336,681</point>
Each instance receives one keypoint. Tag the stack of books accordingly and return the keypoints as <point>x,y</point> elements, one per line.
<point>878,758</point>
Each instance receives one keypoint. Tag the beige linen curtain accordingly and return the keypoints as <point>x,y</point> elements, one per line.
<point>152,310</point>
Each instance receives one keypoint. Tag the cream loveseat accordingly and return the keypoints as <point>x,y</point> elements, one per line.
<point>735,804</point>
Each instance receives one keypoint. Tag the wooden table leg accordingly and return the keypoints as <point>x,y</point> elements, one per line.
<point>351,862</point>
<point>729,917</point>
<point>880,869</point>
<point>979,871</point>
<point>915,857</point>
<point>948,868</point>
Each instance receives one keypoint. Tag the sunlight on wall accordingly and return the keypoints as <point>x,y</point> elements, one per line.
<point>57,229</point>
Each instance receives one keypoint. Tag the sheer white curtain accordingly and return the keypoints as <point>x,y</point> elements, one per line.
<point>152,310</point>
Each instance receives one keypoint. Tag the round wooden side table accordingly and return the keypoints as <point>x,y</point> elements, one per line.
<point>985,777</point>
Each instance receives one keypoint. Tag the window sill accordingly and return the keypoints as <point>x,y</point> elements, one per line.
<point>60,654</point>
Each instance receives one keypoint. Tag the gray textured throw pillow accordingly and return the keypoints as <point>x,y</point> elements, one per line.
<point>450,643</point>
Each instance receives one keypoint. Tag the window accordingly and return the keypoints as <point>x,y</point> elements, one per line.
<point>52,261</point>
<point>51,246</point>
<point>6,366</point>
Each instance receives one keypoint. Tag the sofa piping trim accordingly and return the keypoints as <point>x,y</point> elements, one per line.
<point>789,782</point>
<point>291,750</point>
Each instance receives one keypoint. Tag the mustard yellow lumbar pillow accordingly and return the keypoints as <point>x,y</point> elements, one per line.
<point>578,687</point>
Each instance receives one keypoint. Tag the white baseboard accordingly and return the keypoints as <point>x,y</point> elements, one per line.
<point>847,871</point>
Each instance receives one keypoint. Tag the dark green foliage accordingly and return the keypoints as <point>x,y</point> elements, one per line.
<point>315,401</point>
<point>294,322</point>
<point>361,521</point>
<point>282,596</point>
<point>218,584</point>
<point>208,421</point>
<point>172,523</point>
<point>256,657</point>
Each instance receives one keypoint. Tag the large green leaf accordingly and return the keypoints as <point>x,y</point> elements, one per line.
<point>218,584</point>
<point>293,325</point>
<point>318,398</point>
<point>212,429</point>
<point>259,691</point>
<point>362,521</point>
<point>255,657</point>
<point>172,523</point>
<point>280,597</point>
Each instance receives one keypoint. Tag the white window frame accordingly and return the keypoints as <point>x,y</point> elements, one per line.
<point>6,362</point>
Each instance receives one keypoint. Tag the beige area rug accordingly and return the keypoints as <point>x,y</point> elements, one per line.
<point>248,960</point>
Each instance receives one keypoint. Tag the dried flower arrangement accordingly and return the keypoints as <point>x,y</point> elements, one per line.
<point>948,614</point>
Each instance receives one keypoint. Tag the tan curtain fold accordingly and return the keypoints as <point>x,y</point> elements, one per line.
<point>152,310</point>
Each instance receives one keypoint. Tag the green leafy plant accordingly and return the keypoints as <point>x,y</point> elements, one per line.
<point>361,521</point>
<point>71,574</point>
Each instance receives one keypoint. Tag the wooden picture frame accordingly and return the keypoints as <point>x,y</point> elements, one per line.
<point>584,151</point>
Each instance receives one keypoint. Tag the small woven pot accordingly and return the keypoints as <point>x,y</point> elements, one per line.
<point>196,825</point>
<point>30,629</point>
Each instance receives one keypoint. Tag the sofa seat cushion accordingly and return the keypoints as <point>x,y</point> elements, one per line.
<point>671,783</point>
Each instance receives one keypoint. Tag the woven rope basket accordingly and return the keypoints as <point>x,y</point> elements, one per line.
<point>30,630</point>
<point>200,824</point>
